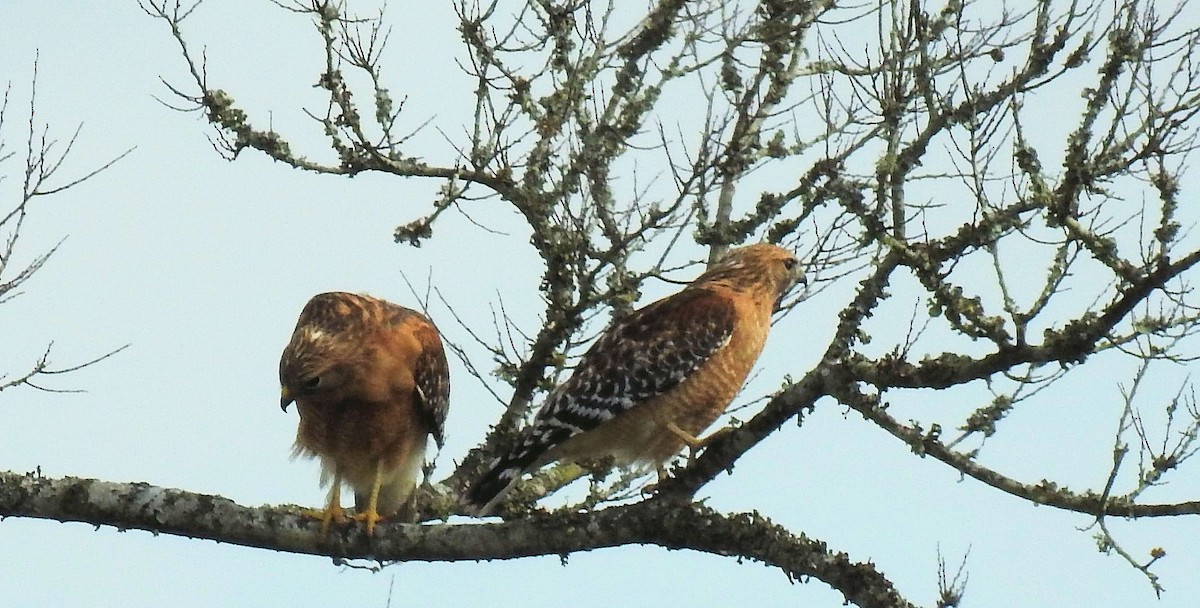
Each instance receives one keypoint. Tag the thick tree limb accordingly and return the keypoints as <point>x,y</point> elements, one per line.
<point>657,521</point>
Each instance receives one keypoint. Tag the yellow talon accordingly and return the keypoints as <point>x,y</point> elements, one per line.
<point>371,514</point>
<point>333,508</point>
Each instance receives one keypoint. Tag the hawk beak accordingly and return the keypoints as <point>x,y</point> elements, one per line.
<point>798,279</point>
<point>285,398</point>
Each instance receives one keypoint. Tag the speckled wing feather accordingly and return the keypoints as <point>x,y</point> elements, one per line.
<point>432,376</point>
<point>642,356</point>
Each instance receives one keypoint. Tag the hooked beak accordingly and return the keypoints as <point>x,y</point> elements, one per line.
<point>285,398</point>
<point>799,279</point>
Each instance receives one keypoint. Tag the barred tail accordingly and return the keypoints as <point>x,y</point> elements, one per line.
<point>489,489</point>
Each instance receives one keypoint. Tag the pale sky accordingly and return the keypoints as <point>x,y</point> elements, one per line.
<point>202,266</point>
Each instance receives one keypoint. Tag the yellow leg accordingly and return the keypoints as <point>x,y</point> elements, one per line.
<point>694,443</point>
<point>333,507</point>
<point>371,515</point>
<point>687,437</point>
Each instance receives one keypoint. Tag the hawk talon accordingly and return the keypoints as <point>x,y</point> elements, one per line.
<point>333,510</point>
<point>703,442</point>
<point>652,488</point>
<point>371,517</point>
<point>335,514</point>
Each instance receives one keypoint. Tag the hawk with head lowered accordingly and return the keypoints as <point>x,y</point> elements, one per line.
<point>371,382</point>
<point>656,378</point>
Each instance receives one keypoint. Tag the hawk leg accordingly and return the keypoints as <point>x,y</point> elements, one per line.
<point>371,513</point>
<point>694,443</point>
<point>333,507</point>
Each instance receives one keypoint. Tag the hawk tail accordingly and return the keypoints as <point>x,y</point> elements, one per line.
<point>487,491</point>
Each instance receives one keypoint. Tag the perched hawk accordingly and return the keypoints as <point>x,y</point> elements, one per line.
<point>371,383</point>
<point>657,378</point>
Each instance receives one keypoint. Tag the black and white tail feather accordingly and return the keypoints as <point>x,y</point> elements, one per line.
<point>489,490</point>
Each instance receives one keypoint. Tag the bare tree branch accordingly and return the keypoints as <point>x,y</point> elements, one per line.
<point>43,162</point>
<point>903,150</point>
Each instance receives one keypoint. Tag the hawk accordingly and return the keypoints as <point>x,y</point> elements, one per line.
<point>371,383</point>
<point>654,380</point>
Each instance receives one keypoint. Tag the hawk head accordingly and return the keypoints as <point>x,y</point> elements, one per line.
<point>323,352</point>
<point>760,268</point>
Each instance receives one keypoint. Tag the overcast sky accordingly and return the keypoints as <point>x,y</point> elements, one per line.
<point>202,266</point>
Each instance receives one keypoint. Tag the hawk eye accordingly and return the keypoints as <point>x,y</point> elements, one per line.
<point>789,263</point>
<point>312,383</point>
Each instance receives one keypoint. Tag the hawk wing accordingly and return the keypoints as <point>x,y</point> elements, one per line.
<point>431,372</point>
<point>432,376</point>
<point>642,356</point>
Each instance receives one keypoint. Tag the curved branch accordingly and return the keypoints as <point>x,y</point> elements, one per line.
<point>1044,493</point>
<point>657,521</point>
